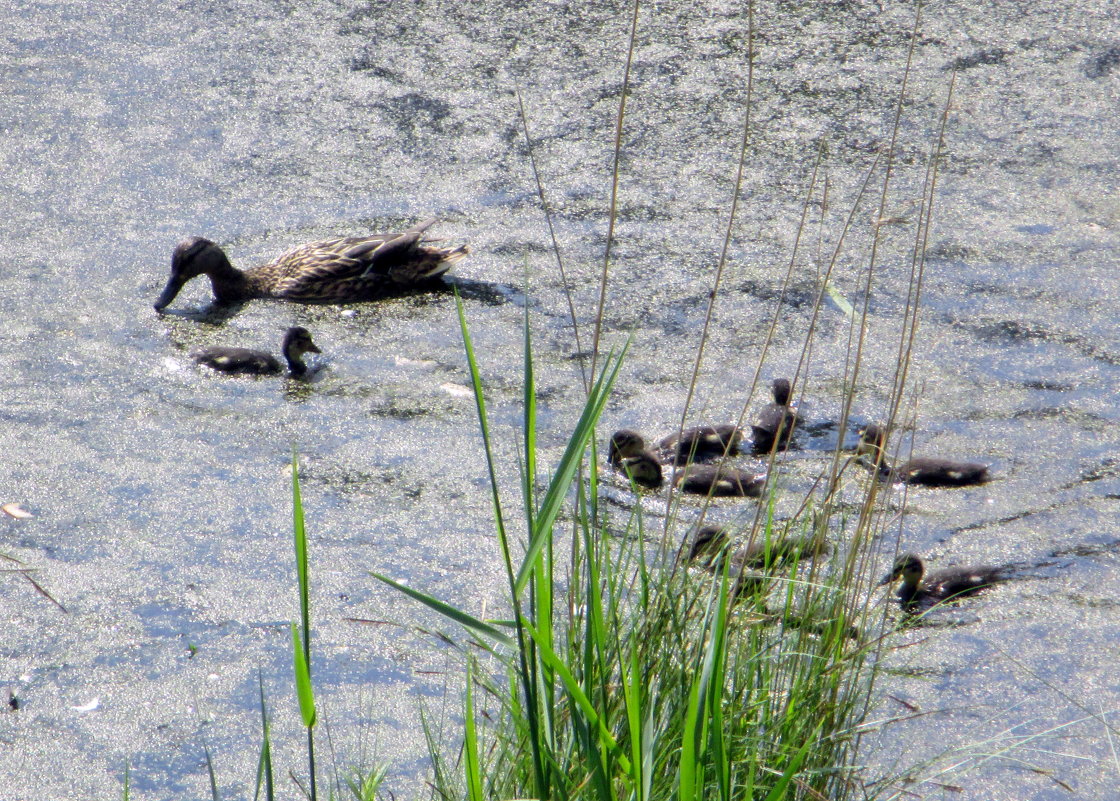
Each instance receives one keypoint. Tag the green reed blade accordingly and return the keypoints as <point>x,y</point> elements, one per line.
<point>447,610</point>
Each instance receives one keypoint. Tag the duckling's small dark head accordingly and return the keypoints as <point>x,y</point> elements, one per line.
<point>191,257</point>
<point>643,469</point>
<point>625,443</point>
<point>781,389</point>
<point>908,567</point>
<point>872,439</point>
<point>708,540</point>
<point>297,341</point>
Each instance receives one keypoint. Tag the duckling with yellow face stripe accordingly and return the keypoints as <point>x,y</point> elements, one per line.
<point>627,454</point>
<point>711,545</point>
<point>696,444</point>
<point>700,444</point>
<point>922,589</point>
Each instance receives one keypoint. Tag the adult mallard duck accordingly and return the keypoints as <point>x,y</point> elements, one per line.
<point>297,341</point>
<point>777,421</point>
<point>330,271</point>
<point>930,472</point>
<point>919,589</point>
<point>723,480</point>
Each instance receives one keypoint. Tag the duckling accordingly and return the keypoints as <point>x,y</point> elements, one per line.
<point>700,444</point>
<point>627,454</point>
<point>777,421</point>
<point>329,271</point>
<point>711,543</point>
<point>710,548</point>
<point>296,342</point>
<point>624,443</point>
<point>707,479</point>
<point>643,469</point>
<point>941,585</point>
<point>926,471</point>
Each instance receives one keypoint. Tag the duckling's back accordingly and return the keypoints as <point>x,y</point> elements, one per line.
<point>237,360</point>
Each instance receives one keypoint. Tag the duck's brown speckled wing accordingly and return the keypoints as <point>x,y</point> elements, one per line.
<point>311,270</point>
<point>353,267</point>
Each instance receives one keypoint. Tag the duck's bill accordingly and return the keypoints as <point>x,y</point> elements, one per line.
<point>887,579</point>
<point>169,292</point>
<point>313,348</point>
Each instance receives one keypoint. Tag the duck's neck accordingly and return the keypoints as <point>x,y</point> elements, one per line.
<point>710,561</point>
<point>296,367</point>
<point>880,468</point>
<point>876,457</point>
<point>230,285</point>
<point>911,588</point>
<point>714,556</point>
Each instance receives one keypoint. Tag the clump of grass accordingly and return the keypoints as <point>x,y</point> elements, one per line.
<point>621,677</point>
<point>623,674</point>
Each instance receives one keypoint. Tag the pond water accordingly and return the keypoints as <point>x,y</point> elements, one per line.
<point>161,493</point>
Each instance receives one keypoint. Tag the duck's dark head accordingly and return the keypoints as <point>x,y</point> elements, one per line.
<point>192,257</point>
<point>297,341</point>
<point>709,541</point>
<point>872,440</point>
<point>624,444</point>
<point>908,567</point>
<point>643,469</point>
<point>781,389</point>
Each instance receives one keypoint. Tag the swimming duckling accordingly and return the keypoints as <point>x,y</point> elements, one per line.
<point>330,271</point>
<point>643,469</point>
<point>696,444</point>
<point>941,585</point>
<point>624,443</point>
<point>930,472</point>
<point>627,454</point>
<point>700,444</point>
<point>722,480</point>
<point>710,545</point>
<point>297,341</point>
<point>777,421</point>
